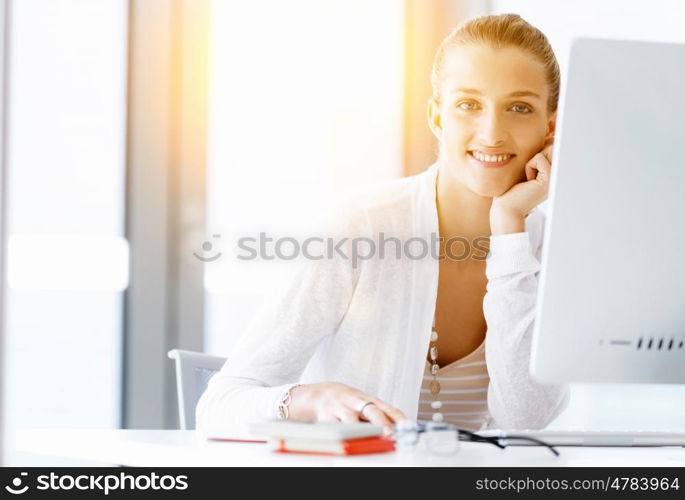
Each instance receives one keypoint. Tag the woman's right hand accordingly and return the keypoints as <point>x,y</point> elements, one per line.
<point>337,402</point>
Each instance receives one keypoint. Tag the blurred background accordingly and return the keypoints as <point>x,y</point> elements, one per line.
<point>138,136</point>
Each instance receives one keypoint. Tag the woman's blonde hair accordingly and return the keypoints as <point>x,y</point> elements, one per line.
<point>499,31</point>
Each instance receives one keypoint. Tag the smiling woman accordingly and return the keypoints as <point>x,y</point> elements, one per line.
<point>402,339</point>
<point>493,105</point>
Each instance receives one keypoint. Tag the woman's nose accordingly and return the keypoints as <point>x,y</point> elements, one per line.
<point>491,131</point>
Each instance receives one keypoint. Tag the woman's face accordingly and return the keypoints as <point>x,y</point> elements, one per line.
<point>493,101</point>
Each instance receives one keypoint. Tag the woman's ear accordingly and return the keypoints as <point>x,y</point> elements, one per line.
<point>551,127</point>
<point>434,118</point>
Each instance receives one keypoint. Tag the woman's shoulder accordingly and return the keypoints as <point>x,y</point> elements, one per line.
<point>380,202</point>
<point>384,193</point>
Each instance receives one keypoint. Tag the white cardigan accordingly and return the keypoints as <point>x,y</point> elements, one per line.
<point>367,324</point>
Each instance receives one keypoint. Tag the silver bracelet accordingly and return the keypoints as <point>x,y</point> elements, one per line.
<point>282,410</point>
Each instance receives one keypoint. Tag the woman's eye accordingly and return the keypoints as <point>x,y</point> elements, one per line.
<point>519,108</point>
<point>525,108</point>
<point>470,104</point>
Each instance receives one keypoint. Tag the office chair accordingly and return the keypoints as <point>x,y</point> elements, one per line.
<point>193,371</point>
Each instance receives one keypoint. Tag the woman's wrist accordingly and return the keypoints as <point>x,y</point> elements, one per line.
<point>504,220</point>
<point>299,407</point>
<point>283,411</point>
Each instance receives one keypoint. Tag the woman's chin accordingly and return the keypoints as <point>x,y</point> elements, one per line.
<point>492,183</point>
<point>489,189</point>
<point>484,184</point>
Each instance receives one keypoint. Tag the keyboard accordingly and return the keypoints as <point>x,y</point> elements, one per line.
<point>590,437</point>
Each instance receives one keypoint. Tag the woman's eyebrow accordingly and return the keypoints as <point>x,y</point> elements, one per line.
<point>517,93</point>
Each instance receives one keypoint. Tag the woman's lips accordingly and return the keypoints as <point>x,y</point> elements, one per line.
<point>489,164</point>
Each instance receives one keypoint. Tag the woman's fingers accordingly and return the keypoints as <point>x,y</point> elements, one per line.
<point>378,417</point>
<point>354,408</point>
<point>538,168</point>
<point>390,414</point>
<point>348,415</point>
<point>370,413</point>
<point>531,171</point>
<point>395,414</point>
<point>545,168</point>
<point>326,416</point>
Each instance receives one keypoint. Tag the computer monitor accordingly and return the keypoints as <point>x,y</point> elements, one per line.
<point>611,293</point>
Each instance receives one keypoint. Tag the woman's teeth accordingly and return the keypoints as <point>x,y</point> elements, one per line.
<point>483,157</point>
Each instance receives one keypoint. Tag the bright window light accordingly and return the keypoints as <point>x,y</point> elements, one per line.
<point>68,262</point>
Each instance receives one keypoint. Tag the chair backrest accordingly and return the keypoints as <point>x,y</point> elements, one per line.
<point>193,371</point>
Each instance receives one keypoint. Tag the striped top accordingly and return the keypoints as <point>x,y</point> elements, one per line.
<point>463,391</point>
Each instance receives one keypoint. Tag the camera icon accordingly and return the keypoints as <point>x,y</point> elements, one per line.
<point>16,483</point>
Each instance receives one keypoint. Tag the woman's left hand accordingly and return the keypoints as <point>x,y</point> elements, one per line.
<point>510,209</point>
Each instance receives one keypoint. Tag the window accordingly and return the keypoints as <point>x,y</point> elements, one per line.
<point>305,106</point>
<point>67,256</point>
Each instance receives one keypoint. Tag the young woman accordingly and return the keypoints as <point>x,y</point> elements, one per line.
<point>445,337</point>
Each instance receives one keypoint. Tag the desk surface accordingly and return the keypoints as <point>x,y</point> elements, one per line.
<point>171,448</point>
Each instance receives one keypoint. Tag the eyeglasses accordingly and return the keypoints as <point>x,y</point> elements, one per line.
<point>442,438</point>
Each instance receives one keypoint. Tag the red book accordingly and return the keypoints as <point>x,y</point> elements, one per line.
<point>376,444</point>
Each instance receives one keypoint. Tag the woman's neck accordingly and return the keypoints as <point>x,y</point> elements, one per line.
<point>461,212</point>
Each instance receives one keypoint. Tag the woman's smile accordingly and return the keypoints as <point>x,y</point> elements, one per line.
<point>490,161</point>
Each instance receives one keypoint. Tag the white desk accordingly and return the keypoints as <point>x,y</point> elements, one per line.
<point>169,448</point>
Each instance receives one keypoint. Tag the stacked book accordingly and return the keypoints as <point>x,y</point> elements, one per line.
<point>325,438</point>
